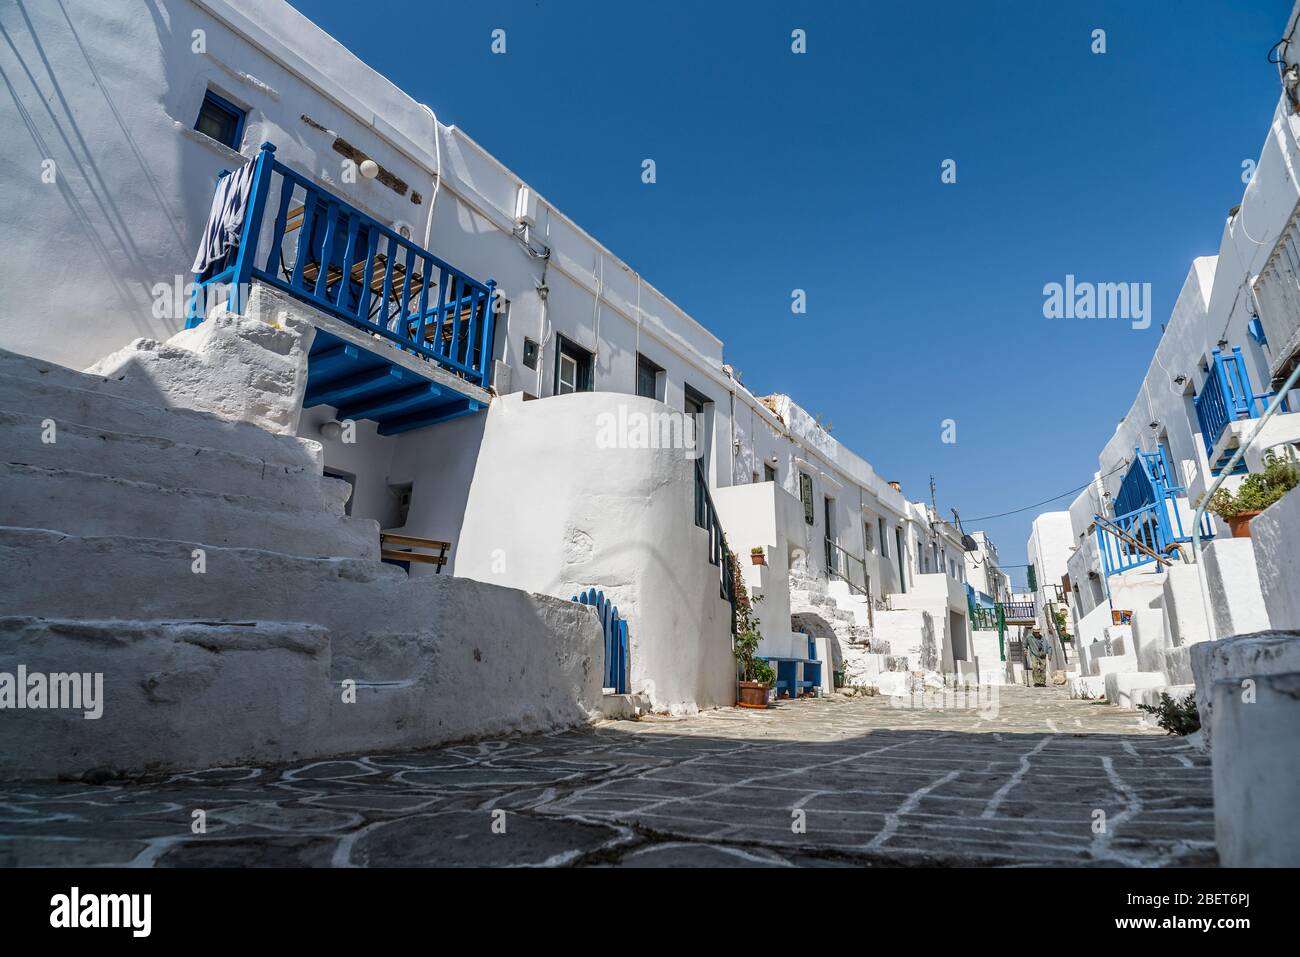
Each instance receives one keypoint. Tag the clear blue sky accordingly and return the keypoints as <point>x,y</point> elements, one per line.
<point>822,172</point>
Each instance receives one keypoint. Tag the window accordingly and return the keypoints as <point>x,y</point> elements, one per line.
<point>572,368</point>
<point>898,554</point>
<point>884,542</point>
<point>696,404</point>
<point>769,473</point>
<point>647,377</point>
<point>866,537</point>
<point>530,353</point>
<point>221,120</point>
<point>805,496</point>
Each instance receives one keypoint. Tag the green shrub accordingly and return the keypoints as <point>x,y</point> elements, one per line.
<point>1258,490</point>
<point>1176,717</point>
<point>747,637</point>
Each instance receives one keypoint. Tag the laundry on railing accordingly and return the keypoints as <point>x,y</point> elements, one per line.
<point>225,218</point>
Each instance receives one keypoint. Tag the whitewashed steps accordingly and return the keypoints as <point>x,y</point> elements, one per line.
<point>201,693</point>
<point>65,404</point>
<point>89,503</point>
<point>160,461</point>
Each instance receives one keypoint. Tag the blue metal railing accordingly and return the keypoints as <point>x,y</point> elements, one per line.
<point>329,254</point>
<point>1157,525</point>
<point>706,517</point>
<point>615,631</point>
<point>1227,396</point>
<point>1147,511</point>
<point>1143,484</point>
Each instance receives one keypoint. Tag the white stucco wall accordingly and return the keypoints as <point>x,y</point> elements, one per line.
<point>765,515</point>
<point>1275,537</point>
<point>551,512</point>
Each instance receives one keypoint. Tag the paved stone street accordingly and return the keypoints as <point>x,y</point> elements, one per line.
<point>835,781</point>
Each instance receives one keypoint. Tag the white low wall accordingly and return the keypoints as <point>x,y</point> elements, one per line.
<point>1256,769</point>
<point>758,515</point>
<point>1236,600</point>
<point>551,512</point>
<point>1244,658</point>
<point>1275,537</point>
<point>944,600</point>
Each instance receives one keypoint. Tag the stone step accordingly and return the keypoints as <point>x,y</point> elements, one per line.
<point>57,574</point>
<point>87,503</point>
<point>1087,687</point>
<point>810,599</point>
<point>67,404</point>
<point>200,693</point>
<point>160,461</point>
<point>1112,664</point>
<point>1123,687</point>
<point>623,707</point>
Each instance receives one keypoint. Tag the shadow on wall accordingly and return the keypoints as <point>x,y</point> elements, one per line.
<point>102,206</point>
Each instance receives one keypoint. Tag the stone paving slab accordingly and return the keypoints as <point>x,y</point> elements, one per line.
<point>1024,779</point>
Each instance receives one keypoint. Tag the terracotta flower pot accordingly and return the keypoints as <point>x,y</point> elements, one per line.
<point>1240,524</point>
<point>758,558</point>
<point>751,694</point>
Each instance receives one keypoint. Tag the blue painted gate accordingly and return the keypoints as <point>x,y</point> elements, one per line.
<point>615,629</point>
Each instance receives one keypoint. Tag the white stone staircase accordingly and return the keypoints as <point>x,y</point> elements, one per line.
<point>207,568</point>
<point>864,654</point>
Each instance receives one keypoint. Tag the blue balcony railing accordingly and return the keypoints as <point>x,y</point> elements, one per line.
<point>1147,512</point>
<point>321,250</point>
<point>1227,396</point>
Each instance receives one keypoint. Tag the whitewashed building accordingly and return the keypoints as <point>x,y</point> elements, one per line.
<point>465,363</point>
<point>1141,595</point>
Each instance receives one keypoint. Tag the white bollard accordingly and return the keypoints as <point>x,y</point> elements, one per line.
<point>1256,769</point>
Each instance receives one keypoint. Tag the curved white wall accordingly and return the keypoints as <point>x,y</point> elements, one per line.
<point>550,511</point>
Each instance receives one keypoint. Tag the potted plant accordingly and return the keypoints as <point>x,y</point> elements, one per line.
<point>1257,492</point>
<point>1059,615</point>
<point>755,675</point>
<point>758,555</point>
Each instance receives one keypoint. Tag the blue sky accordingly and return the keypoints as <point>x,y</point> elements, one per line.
<point>821,171</point>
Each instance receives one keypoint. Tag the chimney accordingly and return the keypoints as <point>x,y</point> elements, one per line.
<point>896,487</point>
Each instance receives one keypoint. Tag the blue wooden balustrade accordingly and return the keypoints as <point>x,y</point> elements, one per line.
<point>323,251</point>
<point>1228,396</point>
<point>1147,511</point>
<point>615,630</point>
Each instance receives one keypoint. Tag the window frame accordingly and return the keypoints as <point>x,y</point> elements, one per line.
<point>234,110</point>
<point>582,360</point>
<point>646,365</point>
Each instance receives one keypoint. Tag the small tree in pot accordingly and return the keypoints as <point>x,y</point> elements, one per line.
<point>1257,492</point>
<point>756,675</point>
